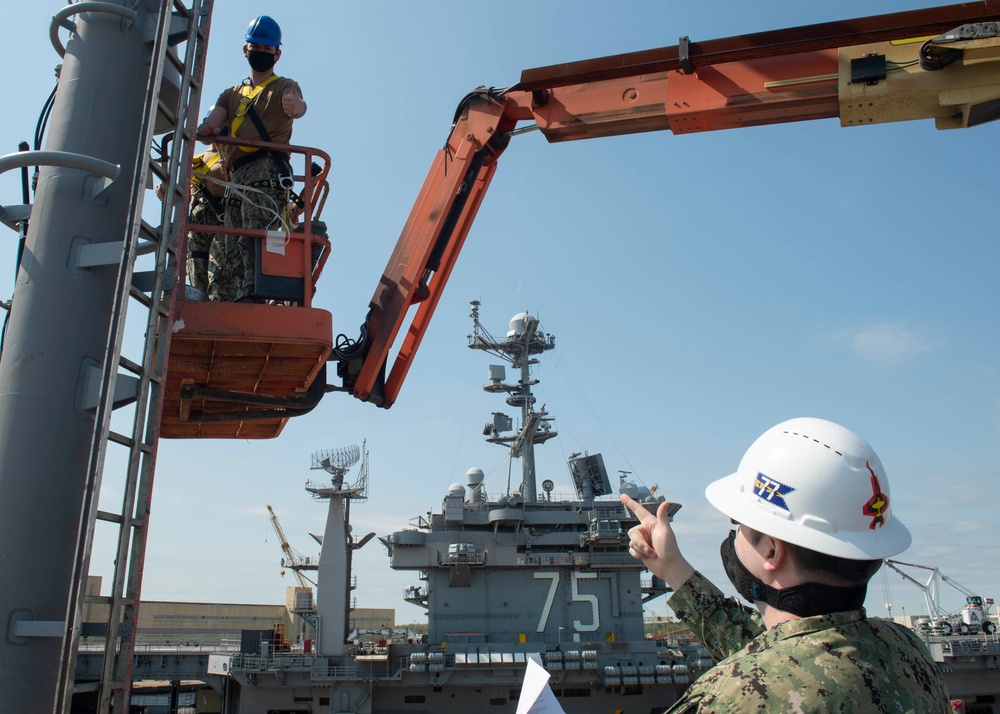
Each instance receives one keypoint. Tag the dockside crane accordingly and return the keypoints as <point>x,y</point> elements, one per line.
<point>292,560</point>
<point>972,619</point>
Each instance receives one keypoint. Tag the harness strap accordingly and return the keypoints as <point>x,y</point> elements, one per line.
<point>201,167</point>
<point>214,201</point>
<point>246,104</point>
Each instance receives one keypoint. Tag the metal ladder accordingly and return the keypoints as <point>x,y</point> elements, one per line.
<point>139,381</point>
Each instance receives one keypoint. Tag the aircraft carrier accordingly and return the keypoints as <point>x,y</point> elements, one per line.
<point>502,576</point>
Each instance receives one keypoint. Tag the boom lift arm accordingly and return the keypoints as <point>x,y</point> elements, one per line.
<point>865,71</point>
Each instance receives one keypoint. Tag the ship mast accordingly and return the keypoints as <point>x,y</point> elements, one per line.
<point>333,602</point>
<point>524,339</point>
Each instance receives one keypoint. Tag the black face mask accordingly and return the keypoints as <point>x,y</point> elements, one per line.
<point>749,587</point>
<point>261,61</point>
<point>803,600</point>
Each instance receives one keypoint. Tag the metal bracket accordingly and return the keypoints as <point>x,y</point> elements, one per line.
<point>971,31</point>
<point>92,255</point>
<point>179,29</point>
<point>10,216</point>
<point>21,626</point>
<point>684,54</point>
<point>97,188</point>
<point>126,388</point>
<point>142,280</point>
<point>93,629</point>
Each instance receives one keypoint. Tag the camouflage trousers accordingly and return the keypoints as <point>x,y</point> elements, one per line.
<point>207,268</point>
<point>258,208</point>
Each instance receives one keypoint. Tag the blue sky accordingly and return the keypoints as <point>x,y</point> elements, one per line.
<point>702,288</point>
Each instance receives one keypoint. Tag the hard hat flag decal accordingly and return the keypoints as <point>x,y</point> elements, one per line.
<point>877,504</point>
<point>771,491</point>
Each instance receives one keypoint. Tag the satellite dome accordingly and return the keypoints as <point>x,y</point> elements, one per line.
<point>456,489</point>
<point>474,476</point>
<point>518,324</point>
<point>629,489</point>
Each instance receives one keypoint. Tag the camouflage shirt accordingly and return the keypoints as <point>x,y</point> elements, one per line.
<point>842,662</point>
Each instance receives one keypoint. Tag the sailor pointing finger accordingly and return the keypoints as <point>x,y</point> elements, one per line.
<point>653,542</point>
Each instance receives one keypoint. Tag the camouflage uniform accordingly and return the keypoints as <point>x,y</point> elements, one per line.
<point>842,662</point>
<point>255,211</point>
<point>206,266</point>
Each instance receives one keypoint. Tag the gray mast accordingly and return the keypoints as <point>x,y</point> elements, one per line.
<point>58,330</point>
<point>335,582</point>
<point>524,339</point>
<point>58,369</point>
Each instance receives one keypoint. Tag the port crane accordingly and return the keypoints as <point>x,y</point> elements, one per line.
<point>974,618</point>
<point>292,560</point>
<point>220,370</point>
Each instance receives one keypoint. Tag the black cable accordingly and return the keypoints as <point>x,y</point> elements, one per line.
<point>932,62</point>
<point>43,120</point>
<point>487,92</point>
<point>43,117</point>
<point>25,199</point>
<point>346,348</point>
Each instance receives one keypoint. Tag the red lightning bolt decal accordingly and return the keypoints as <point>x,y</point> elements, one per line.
<point>877,504</point>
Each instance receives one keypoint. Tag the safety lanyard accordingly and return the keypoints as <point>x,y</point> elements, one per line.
<point>249,95</point>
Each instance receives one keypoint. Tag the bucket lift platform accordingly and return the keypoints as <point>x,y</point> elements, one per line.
<point>241,370</point>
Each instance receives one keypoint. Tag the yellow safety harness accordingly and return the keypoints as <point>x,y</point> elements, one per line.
<point>246,105</point>
<point>201,167</point>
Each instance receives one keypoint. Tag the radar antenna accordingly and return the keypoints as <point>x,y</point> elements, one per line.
<point>337,462</point>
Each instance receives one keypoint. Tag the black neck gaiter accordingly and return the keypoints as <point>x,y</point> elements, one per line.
<point>803,600</point>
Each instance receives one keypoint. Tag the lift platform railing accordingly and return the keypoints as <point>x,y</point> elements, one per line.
<point>305,248</point>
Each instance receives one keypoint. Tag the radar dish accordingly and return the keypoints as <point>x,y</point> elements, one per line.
<point>337,461</point>
<point>547,485</point>
<point>589,475</point>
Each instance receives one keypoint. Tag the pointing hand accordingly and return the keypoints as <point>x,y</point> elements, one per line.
<point>653,542</point>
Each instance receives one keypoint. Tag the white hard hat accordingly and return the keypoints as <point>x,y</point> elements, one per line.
<point>815,484</point>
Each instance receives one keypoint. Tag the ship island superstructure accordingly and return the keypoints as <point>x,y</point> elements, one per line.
<point>503,577</point>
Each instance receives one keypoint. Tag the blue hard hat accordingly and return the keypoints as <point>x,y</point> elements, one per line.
<point>264,30</point>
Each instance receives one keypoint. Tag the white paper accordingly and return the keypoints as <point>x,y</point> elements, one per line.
<point>536,694</point>
<point>276,242</point>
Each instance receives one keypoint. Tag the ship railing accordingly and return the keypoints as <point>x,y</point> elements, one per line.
<point>270,663</point>
<point>318,668</point>
<point>622,559</point>
<point>461,558</point>
<point>609,511</point>
<point>971,646</point>
<point>156,645</point>
<point>321,670</point>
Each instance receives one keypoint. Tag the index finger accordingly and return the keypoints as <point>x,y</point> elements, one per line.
<point>644,516</point>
